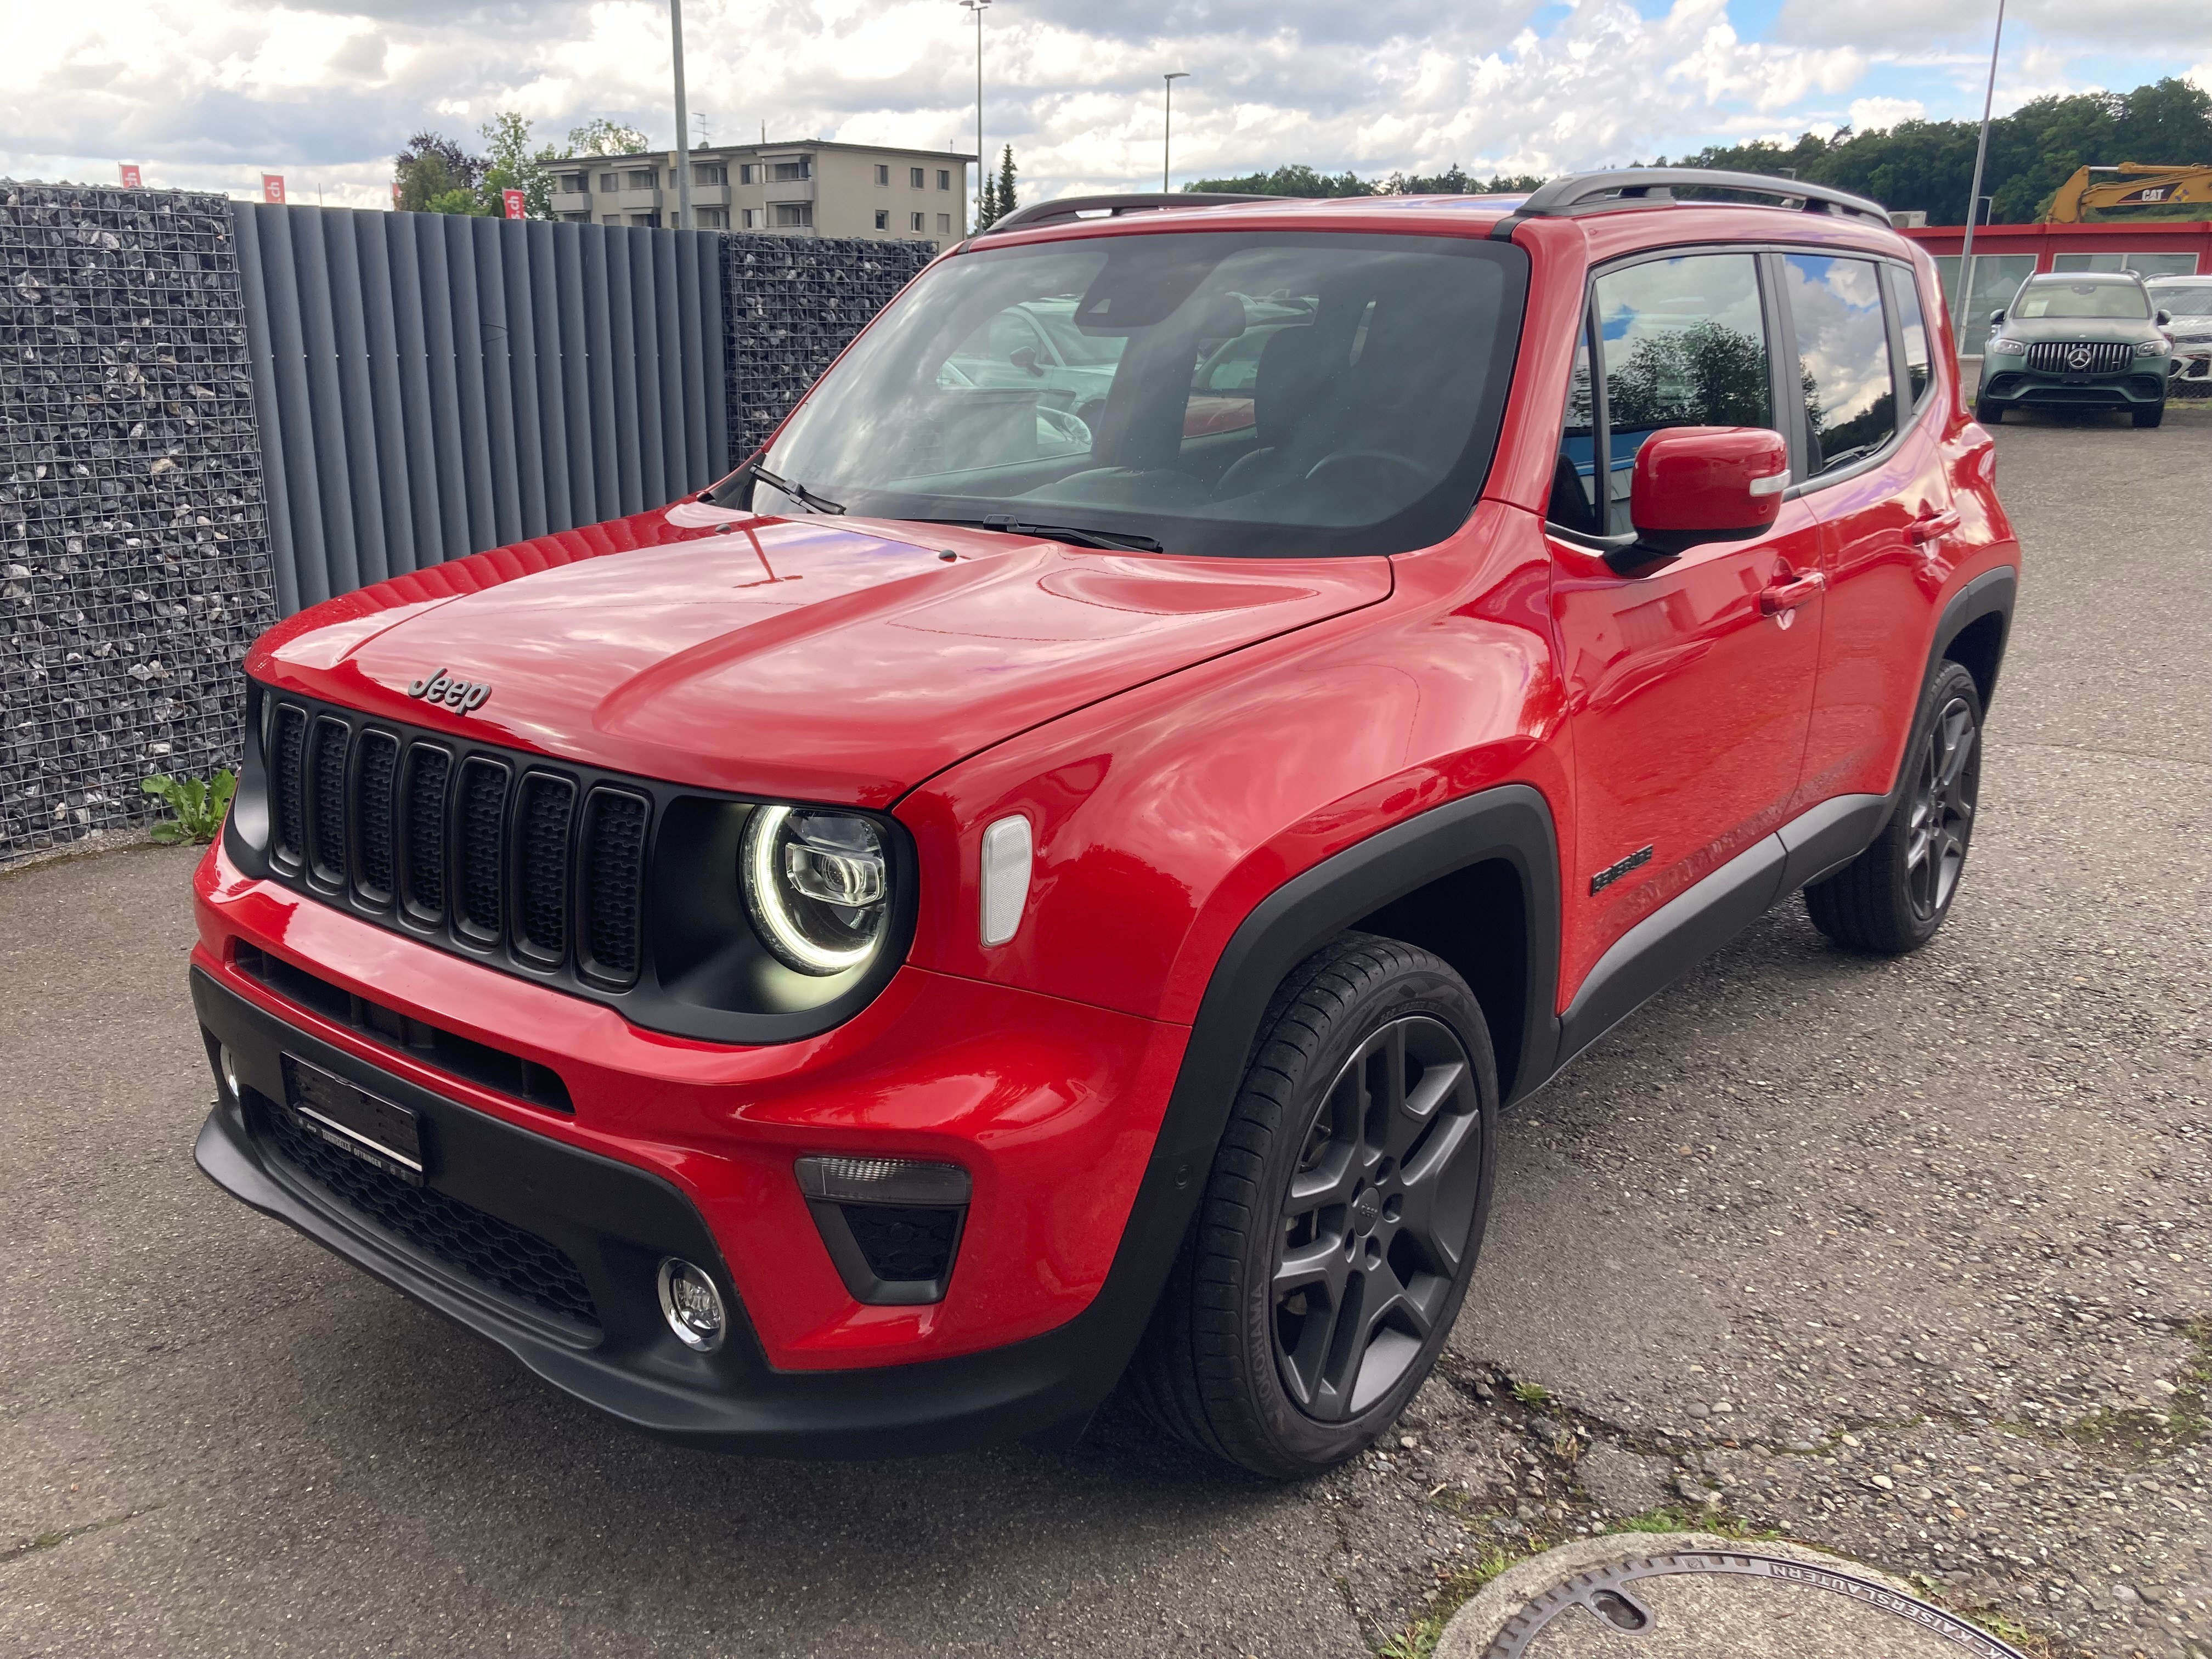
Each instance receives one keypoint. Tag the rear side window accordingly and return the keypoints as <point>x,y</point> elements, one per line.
<point>1904,295</point>
<point>1682,342</point>
<point>1842,356</point>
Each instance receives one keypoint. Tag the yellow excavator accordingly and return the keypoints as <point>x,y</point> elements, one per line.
<point>2131,185</point>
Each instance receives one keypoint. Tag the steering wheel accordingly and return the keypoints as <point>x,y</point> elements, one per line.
<point>1343,459</point>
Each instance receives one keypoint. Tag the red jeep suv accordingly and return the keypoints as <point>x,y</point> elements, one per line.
<point>1042,877</point>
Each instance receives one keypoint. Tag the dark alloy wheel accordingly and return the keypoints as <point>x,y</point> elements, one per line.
<point>1340,1219</point>
<point>1893,897</point>
<point>1375,1224</point>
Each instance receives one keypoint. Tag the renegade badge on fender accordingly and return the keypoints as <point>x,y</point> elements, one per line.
<point>1078,916</point>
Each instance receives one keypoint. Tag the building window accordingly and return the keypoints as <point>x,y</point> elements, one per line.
<point>944,178</point>
<point>611,219</point>
<point>713,218</point>
<point>748,174</point>
<point>784,172</point>
<point>882,218</point>
<point>883,176</point>
<point>749,218</point>
<point>606,181</point>
<point>914,178</point>
<point>569,184</point>
<point>710,172</point>
<point>916,219</point>
<point>643,179</point>
<point>645,220</point>
<point>794,213</point>
<point>943,224</point>
<point>576,218</point>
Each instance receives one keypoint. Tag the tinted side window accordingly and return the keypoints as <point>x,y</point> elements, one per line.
<point>1574,478</point>
<point>1682,343</point>
<point>1904,295</point>
<point>1843,358</point>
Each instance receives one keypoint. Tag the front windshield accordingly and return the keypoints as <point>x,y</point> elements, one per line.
<point>1222,393</point>
<point>2124,302</point>
<point>2192,301</point>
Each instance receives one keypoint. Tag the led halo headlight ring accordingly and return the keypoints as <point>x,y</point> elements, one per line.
<point>817,887</point>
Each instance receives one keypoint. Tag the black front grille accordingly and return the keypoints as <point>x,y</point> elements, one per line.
<point>480,1246</point>
<point>2079,356</point>
<point>494,850</point>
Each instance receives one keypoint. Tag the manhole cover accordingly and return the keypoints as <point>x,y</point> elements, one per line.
<point>1716,1604</point>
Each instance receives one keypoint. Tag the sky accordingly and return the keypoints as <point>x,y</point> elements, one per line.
<point>210,93</point>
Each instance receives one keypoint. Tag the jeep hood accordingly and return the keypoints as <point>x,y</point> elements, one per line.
<point>814,659</point>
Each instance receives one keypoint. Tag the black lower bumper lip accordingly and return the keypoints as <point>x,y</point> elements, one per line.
<point>614,1223</point>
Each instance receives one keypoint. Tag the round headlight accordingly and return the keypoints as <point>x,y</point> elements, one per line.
<point>817,886</point>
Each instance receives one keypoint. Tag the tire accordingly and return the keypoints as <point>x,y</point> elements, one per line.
<point>2152,416</point>
<point>1375,1209</point>
<point>1988,413</point>
<point>1893,897</point>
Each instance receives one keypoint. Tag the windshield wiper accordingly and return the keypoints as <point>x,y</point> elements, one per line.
<point>1111,540</point>
<point>797,492</point>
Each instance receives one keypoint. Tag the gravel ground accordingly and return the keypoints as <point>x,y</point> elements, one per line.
<point>1908,1261</point>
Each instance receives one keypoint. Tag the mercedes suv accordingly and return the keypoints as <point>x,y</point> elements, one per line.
<point>989,902</point>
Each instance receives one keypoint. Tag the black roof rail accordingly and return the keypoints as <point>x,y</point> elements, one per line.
<point>1112,207</point>
<point>1642,187</point>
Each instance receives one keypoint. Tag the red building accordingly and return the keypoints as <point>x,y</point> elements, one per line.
<point>2006,255</point>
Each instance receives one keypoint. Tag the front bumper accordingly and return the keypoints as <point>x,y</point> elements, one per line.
<point>2013,387</point>
<point>610,1224</point>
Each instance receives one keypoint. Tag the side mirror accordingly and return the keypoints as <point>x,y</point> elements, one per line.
<point>2163,319</point>
<point>1025,360</point>
<point>1995,317</point>
<point>1694,484</point>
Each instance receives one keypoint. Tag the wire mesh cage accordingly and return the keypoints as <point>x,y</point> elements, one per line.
<point>793,304</point>
<point>134,559</point>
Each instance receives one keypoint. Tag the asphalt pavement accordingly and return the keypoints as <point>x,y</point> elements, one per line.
<point>1910,1260</point>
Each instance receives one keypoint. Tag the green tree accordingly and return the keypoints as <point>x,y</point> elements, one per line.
<point>511,164</point>
<point>1927,167</point>
<point>436,175</point>
<point>600,136</point>
<point>986,210</point>
<point>1297,179</point>
<point>1005,204</point>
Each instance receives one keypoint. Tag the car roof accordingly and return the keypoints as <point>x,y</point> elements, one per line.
<point>2071,277</point>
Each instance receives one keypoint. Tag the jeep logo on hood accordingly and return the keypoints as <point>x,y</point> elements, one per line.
<point>442,687</point>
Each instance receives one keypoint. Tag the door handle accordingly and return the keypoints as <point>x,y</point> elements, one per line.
<point>1931,527</point>
<point>1788,593</point>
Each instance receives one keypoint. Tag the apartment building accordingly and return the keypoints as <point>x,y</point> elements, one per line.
<point>811,189</point>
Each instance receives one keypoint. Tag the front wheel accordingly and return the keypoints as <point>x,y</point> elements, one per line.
<point>1340,1220</point>
<point>1893,897</point>
<point>1987,413</point>
<point>2152,416</point>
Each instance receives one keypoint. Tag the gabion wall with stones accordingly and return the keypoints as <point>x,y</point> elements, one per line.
<point>134,549</point>
<point>794,302</point>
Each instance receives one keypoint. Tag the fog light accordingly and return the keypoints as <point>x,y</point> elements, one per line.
<point>691,1304</point>
<point>229,1064</point>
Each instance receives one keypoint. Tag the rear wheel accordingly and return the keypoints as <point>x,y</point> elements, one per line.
<point>1340,1220</point>
<point>1893,897</point>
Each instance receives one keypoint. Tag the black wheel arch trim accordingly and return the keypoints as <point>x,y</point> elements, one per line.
<point>1989,594</point>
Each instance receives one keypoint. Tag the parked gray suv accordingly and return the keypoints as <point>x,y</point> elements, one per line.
<point>2080,340</point>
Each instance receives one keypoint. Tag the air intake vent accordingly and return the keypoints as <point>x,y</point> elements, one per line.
<point>427,770</point>
<point>376,780</point>
<point>288,782</point>
<point>480,822</point>
<point>329,789</point>
<point>614,853</point>
<point>545,814</point>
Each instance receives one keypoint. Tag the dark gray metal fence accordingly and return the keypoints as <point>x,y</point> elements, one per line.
<point>431,386</point>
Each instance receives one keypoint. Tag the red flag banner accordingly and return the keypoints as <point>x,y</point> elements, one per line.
<point>131,177</point>
<point>272,188</point>
<point>518,206</point>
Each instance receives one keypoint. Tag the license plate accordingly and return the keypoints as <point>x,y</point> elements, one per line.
<point>354,1121</point>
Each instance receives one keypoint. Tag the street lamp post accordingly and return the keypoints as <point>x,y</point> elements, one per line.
<point>682,120</point>
<point>982,164</point>
<point>1974,196</point>
<point>1167,120</point>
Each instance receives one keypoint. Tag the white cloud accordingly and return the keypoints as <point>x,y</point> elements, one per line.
<point>206,93</point>
<point>1880,114</point>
